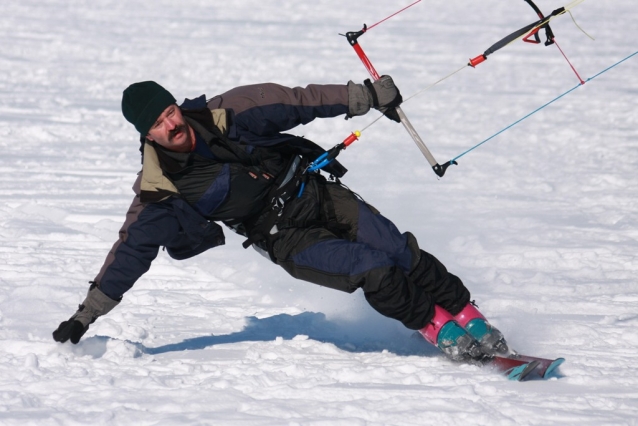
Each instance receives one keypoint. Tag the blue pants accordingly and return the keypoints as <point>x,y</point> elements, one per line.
<point>331,237</point>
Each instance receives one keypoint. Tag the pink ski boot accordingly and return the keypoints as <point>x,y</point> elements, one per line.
<point>453,340</point>
<point>490,338</point>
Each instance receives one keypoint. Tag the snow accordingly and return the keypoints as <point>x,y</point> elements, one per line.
<point>541,222</point>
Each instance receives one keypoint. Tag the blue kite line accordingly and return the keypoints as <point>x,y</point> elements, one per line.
<point>540,108</point>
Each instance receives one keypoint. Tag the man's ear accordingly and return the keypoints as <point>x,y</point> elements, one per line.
<point>149,138</point>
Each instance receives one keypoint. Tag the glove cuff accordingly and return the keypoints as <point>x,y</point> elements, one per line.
<point>359,99</point>
<point>96,304</point>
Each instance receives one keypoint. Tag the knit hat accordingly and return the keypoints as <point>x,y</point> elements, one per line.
<point>143,102</point>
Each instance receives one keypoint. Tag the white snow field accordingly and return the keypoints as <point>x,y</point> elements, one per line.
<point>541,222</point>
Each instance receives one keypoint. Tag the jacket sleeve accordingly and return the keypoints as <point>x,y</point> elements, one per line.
<point>267,109</point>
<point>147,227</point>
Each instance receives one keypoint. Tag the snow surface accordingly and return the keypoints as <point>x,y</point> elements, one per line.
<point>541,222</point>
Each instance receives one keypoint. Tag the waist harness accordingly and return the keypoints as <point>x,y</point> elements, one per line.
<point>261,227</point>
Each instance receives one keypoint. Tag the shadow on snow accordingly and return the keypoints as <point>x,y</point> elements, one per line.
<point>349,336</point>
<point>365,335</point>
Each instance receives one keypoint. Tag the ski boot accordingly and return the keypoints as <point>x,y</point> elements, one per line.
<point>452,339</point>
<point>490,338</point>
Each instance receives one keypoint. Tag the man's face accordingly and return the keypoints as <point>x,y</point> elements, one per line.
<point>171,131</point>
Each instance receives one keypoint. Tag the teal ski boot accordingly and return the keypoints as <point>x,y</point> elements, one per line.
<point>452,339</point>
<point>489,337</point>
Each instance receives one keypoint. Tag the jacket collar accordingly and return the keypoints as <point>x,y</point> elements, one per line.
<point>154,185</point>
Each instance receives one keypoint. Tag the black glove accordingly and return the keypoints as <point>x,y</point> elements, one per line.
<point>95,305</point>
<point>71,329</point>
<point>381,94</point>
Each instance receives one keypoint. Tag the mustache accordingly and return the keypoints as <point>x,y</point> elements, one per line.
<point>176,130</point>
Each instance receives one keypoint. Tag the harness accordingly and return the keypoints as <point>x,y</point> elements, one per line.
<point>328,215</point>
<point>271,223</point>
<point>260,227</point>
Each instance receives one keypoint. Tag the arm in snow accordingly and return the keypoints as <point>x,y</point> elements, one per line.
<point>148,226</point>
<point>171,223</point>
<point>145,229</point>
<point>129,258</point>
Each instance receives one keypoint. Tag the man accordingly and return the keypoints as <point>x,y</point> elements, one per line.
<point>227,160</point>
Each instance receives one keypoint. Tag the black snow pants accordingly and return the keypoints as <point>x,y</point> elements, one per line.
<point>330,237</point>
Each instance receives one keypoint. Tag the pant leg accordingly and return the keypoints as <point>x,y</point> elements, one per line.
<point>399,280</point>
<point>368,226</point>
<point>318,256</point>
<point>447,290</point>
<point>373,229</point>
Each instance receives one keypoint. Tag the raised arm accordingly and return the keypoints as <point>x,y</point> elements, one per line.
<point>269,108</point>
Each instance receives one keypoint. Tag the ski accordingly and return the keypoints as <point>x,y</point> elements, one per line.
<point>545,366</point>
<point>513,369</point>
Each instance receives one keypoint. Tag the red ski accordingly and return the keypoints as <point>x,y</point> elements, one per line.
<point>514,369</point>
<point>545,366</point>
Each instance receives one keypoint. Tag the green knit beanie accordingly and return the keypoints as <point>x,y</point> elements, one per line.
<point>143,102</point>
